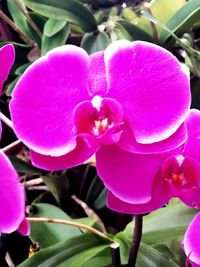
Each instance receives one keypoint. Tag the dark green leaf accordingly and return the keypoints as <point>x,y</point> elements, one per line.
<point>70,10</point>
<point>93,42</point>
<point>135,32</point>
<point>11,86</point>
<point>23,167</point>
<point>58,186</point>
<point>58,39</point>
<point>72,252</point>
<point>52,26</point>
<point>100,201</point>
<point>48,234</point>
<point>22,68</point>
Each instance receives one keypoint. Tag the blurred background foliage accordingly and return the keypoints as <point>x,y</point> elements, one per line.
<point>37,26</point>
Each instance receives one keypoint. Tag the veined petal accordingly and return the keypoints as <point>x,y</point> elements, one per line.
<point>191,241</point>
<point>159,199</point>
<point>81,153</point>
<point>151,85</point>
<point>129,143</point>
<point>130,177</point>
<point>192,145</point>
<point>97,74</point>
<point>12,198</point>
<point>7,56</point>
<point>44,99</point>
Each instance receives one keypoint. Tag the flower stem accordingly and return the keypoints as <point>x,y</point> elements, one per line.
<point>137,235</point>
<point>11,147</point>
<point>72,223</point>
<point>116,261</point>
<point>22,34</point>
<point>7,121</point>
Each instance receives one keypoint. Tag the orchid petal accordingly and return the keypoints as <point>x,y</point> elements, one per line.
<point>97,74</point>
<point>12,198</point>
<point>128,176</point>
<point>81,153</point>
<point>191,198</point>
<point>151,85</point>
<point>159,199</point>
<point>7,56</point>
<point>45,97</point>
<point>192,146</point>
<point>24,227</point>
<point>191,241</point>
<point>129,143</point>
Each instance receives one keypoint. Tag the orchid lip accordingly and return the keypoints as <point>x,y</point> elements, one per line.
<point>98,116</point>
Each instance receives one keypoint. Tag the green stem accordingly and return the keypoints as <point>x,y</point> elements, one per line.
<point>72,223</point>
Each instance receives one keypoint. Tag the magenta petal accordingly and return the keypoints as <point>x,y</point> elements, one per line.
<point>7,56</point>
<point>159,199</point>
<point>81,153</point>
<point>128,176</point>
<point>12,198</point>
<point>151,85</point>
<point>191,241</point>
<point>192,146</point>
<point>128,142</point>
<point>45,97</point>
<point>191,198</point>
<point>24,227</point>
<point>97,74</point>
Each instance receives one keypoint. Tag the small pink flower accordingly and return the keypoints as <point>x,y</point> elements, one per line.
<point>12,197</point>
<point>191,243</point>
<point>7,56</point>
<point>151,180</point>
<point>68,104</point>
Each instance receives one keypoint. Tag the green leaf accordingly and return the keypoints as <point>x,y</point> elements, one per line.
<point>48,234</point>
<point>100,201</point>
<point>70,10</point>
<point>11,86</point>
<point>72,252</point>
<point>183,19</point>
<point>23,167</point>
<point>187,48</point>
<point>21,21</point>
<point>164,224</point>
<point>135,32</point>
<point>93,42</point>
<point>52,26</point>
<point>58,186</point>
<point>147,255</point>
<point>22,68</point>
<point>156,7</point>
<point>151,257</point>
<point>58,39</point>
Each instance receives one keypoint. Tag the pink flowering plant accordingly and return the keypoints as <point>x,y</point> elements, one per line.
<point>100,134</point>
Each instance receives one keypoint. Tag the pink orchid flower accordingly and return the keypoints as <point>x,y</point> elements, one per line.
<point>191,243</point>
<point>7,56</point>
<point>151,180</point>
<point>68,104</point>
<point>12,197</point>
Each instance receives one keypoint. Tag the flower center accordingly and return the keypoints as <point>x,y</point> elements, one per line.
<point>180,174</point>
<point>178,179</point>
<point>98,116</point>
